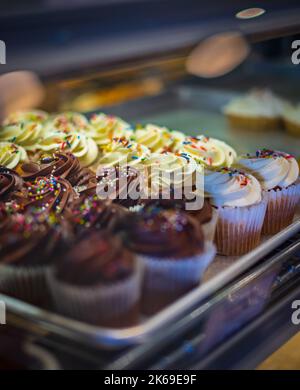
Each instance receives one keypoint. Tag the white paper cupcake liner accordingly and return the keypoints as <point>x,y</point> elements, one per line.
<point>106,305</point>
<point>166,279</point>
<point>239,228</point>
<point>281,208</point>
<point>209,228</point>
<point>26,283</point>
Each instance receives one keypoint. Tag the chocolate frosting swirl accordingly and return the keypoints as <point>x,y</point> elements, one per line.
<point>164,233</point>
<point>122,182</point>
<point>62,165</point>
<point>93,213</point>
<point>96,259</point>
<point>28,240</point>
<point>10,183</point>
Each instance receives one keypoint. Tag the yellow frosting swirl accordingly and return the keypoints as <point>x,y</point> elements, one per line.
<point>25,116</point>
<point>11,155</point>
<point>122,151</point>
<point>210,152</point>
<point>159,139</point>
<point>106,127</point>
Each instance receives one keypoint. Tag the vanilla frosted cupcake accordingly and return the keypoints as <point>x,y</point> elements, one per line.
<point>170,171</point>
<point>241,209</point>
<point>278,174</point>
<point>210,152</point>
<point>80,145</point>
<point>291,119</point>
<point>38,116</point>
<point>106,127</point>
<point>122,151</point>
<point>67,122</point>
<point>159,139</point>
<point>259,109</point>
<point>11,155</point>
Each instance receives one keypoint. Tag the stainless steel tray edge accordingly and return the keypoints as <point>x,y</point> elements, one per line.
<point>115,339</point>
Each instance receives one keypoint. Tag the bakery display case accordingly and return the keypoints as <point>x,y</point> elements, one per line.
<point>225,71</point>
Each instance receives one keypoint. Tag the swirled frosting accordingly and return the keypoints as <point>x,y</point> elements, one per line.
<point>11,155</point>
<point>159,139</point>
<point>26,134</point>
<point>67,122</point>
<point>25,116</point>
<point>210,152</point>
<point>10,183</point>
<point>80,145</point>
<point>122,151</point>
<point>230,187</point>
<point>170,170</point>
<point>98,258</point>
<point>106,127</point>
<point>272,168</point>
<point>164,233</point>
<point>258,102</point>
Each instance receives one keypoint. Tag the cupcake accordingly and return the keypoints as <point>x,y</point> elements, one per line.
<point>291,119</point>
<point>104,128</point>
<point>91,213</point>
<point>170,244</point>
<point>28,246</point>
<point>97,281</point>
<point>122,151</point>
<point>159,139</point>
<point>209,152</point>
<point>122,185</point>
<point>38,116</point>
<point>278,174</point>
<point>258,110</point>
<point>67,122</point>
<point>241,209</point>
<point>12,155</point>
<point>11,184</point>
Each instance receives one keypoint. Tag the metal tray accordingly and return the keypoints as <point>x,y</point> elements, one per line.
<point>222,271</point>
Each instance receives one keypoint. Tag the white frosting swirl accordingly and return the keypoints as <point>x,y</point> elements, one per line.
<point>229,187</point>
<point>210,152</point>
<point>11,155</point>
<point>271,168</point>
<point>258,102</point>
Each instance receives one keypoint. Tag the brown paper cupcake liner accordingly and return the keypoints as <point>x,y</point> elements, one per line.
<point>239,228</point>
<point>209,228</point>
<point>26,283</point>
<point>167,279</point>
<point>114,305</point>
<point>281,208</point>
<point>253,123</point>
<point>292,127</point>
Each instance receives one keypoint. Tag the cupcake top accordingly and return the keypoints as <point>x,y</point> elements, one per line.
<point>159,139</point>
<point>67,122</point>
<point>96,259</point>
<point>79,144</point>
<point>210,152</point>
<point>25,116</point>
<point>10,183</point>
<point>171,170</point>
<point>164,233</point>
<point>257,103</point>
<point>122,151</point>
<point>121,184</point>
<point>93,213</point>
<point>106,127</point>
<point>30,239</point>
<point>272,168</point>
<point>230,187</point>
<point>11,155</point>
<point>48,194</point>
<point>60,164</point>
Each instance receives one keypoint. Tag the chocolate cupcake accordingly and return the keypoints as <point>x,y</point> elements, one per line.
<point>28,245</point>
<point>121,184</point>
<point>171,245</point>
<point>92,213</point>
<point>97,281</point>
<point>11,184</point>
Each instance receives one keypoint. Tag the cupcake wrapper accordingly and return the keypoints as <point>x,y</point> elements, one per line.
<point>253,123</point>
<point>26,283</point>
<point>209,228</point>
<point>106,305</point>
<point>167,279</point>
<point>281,208</point>
<point>292,127</point>
<point>239,228</point>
